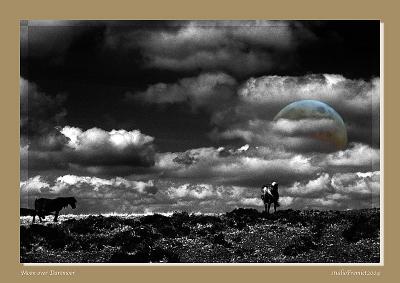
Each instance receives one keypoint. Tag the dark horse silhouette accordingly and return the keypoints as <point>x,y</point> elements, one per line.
<point>26,212</point>
<point>269,195</point>
<point>45,206</point>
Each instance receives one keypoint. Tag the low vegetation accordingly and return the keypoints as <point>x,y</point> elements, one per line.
<point>239,236</point>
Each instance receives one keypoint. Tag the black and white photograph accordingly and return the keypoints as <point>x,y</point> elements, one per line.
<point>201,142</point>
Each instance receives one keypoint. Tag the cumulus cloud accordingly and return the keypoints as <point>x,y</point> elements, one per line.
<point>260,164</point>
<point>201,191</point>
<point>260,99</point>
<point>361,185</point>
<point>357,156</point>
<point>337,191</point>
<point>313,187</point>
<point>46,144</point>
<point>116,147</point>
<point>207,90</point>
<point>205,180</point>
<point>329,88</point>
<point>284,134</point>
<point>93,151</point>
<point>238,47</point>
<point>33,186</point>
<point>93,194</point>
<point>98,195</point>
<point>238,167</point>
<point>303,127</point>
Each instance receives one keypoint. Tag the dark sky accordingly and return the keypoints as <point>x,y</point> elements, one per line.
<point>167,106</point>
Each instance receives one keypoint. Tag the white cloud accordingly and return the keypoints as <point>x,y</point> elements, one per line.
<point>286,201</point>
<point>251,202</point>
<point>96,138</point>
<point>244,148</point>
<point>199,191</point>
<point>336,191</point>
<point>320,186</point>
<point>332,89</point>
<point>303,126</point>
<point>249,168</point>
<point>260,100</point>
<point>34,185</point>
<point>239,47</point>
<point>92,151</point>
<point>204,90</point>
<point>340,191</point>
<point>360,184</point>
<point>355,156</point>
<point>92,193</point>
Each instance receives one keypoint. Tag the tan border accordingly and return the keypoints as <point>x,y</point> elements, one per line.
<point>173,9</point>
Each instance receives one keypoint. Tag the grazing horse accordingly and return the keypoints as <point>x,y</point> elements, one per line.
<point>45,206</point>
<point>269,194</point>
<point>26,212</point>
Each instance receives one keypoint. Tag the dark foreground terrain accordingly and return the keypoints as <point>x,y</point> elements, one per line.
<point>240,236</point>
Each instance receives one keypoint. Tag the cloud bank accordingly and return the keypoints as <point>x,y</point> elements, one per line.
<point>92,151</point>
<point>120,195</point>
<point>260,99</point>
<point>236,47</point>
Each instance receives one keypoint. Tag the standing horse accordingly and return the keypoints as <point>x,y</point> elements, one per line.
<point>45,206</point>
<point>269,195</point>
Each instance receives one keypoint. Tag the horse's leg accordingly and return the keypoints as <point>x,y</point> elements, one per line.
<point>274,206</point>
<point>56,215</point>
<point>33,219</point>
<point>265,207</point>
<point>269,205</point>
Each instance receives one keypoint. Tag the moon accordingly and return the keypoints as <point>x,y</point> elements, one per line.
<point>315,114</point>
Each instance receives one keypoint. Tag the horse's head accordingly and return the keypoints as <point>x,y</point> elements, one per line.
<point>274,186</point>
<point>72,202</point>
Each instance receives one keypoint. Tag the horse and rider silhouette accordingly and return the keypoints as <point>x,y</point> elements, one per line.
<point>270,195</point>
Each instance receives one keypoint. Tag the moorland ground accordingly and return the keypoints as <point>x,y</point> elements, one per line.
<point>239,236</point>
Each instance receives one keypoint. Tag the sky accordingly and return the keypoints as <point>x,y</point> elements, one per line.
<point>162,116</point>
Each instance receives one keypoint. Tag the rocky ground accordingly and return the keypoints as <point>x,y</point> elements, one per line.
<point>239,236</point>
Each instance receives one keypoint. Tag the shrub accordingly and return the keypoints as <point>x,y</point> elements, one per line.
<point>156,220</point>
<point>51,236</point>
<point>289,216</point>
<point>318,230</point>
<point>92,224</point>
<point>220,240</point>
<point>299,245</point>
<point>158,254</point>
<point>169,231</point>
<point>125,238</point>
<point>240,218</point>
<point>147,232</point>
<point>362,227</point>
<point>78,226</point>
<point>179,218</point>
<point>248,213</point>
<point>26,236</point>
<point>123,257</point>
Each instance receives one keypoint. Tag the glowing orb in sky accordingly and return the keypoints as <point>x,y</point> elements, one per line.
<point>314,120</point>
